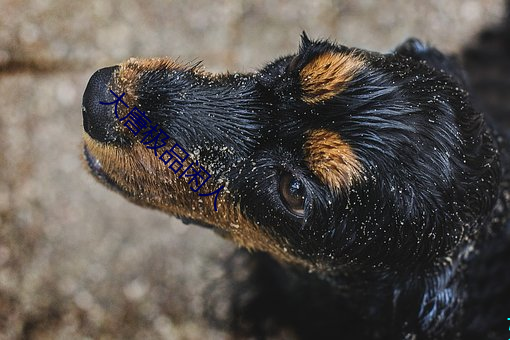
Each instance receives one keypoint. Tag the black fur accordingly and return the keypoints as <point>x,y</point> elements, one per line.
<point>416,249</point>
<point>444,273</point>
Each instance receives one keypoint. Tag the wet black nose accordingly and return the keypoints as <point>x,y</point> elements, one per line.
<point>99,119</point>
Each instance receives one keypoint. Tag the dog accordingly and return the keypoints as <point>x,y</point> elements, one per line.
<point>370,189</point>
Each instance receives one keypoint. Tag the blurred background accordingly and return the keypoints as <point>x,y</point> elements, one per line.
<point>80,262</point>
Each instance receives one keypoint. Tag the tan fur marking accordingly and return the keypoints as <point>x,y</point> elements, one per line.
<point>327,75</point>
<point>148,182</point>
<point>126,78</point>
<point>331,159</point>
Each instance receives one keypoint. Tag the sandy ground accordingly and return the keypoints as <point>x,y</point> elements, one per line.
<point>80,262</point>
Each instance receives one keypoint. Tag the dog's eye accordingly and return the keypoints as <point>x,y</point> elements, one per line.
<point>292,193</point>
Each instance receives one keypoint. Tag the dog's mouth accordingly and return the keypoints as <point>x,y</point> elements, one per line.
<point>97,170</point>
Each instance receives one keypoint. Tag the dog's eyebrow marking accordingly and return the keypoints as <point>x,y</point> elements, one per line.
<point>331,159</point>
<point>327,75</point>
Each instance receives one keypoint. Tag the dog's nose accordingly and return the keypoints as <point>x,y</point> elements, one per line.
<point>99,119</point>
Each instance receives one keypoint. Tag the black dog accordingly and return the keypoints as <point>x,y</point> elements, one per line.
<point>373,180</point>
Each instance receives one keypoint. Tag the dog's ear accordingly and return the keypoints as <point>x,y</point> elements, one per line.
<point>417,50</point>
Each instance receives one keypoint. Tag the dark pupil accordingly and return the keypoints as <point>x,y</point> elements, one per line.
<point>296,189</point>
<point>293,194</point>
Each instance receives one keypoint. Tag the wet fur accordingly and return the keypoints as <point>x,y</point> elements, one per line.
<point>417,247</point>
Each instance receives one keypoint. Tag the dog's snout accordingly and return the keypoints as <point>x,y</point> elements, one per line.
<point>98,119</point>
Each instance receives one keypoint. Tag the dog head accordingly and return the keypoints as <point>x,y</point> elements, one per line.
<point>330,158</point>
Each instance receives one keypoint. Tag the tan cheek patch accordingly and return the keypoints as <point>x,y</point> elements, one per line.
<point>145,180</point>
<point>149,183</point>
<point>328,75</point>
<point>331,159</point>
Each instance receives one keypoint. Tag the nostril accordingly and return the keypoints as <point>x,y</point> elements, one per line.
<point>98,119</point>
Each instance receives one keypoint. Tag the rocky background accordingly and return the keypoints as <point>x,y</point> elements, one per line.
<point>80,262</point>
